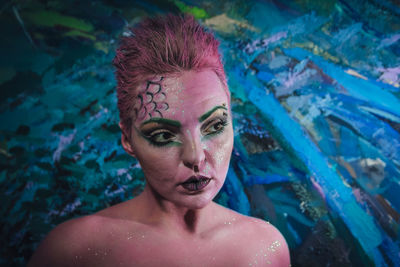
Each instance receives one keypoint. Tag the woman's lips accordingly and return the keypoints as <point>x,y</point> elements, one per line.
<point>196,183</point>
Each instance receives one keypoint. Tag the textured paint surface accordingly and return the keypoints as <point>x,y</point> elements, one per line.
<point>316,106</point>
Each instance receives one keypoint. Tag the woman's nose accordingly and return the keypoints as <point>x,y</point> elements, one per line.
<point>193,154</point>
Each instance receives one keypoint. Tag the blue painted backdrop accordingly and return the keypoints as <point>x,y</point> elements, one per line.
<point>316,102</point>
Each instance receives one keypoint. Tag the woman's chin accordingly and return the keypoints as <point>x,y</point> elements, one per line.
<point>189,198</point>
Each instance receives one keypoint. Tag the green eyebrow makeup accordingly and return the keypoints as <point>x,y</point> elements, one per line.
<point>163,121</point>
<point>166,133</point>
<point>208,113</point>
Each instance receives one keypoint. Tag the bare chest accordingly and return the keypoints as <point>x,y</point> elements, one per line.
<point>144,249</point>
<point>233,244</point>
<point>170,252</point>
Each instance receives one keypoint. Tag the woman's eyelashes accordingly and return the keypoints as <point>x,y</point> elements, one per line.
<point>215,126</point>
<point>163,136</point>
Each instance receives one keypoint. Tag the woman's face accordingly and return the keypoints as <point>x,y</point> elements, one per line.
<point>183,133</point>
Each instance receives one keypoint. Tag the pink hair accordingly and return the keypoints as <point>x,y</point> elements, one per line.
<point>168,44</point>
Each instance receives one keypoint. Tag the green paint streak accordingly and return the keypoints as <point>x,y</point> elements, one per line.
<point>320,7</point>
<point>163,121</point>
<point>208,113</point>
<point>74,33</point>
<point>51,19</point>
<point>197,12</point>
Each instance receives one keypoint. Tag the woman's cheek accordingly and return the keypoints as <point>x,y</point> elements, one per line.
<point>159,163</point>
<point>220,151</point>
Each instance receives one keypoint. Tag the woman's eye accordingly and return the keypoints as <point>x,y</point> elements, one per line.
<point>216,127</point>
<point>161,137</point>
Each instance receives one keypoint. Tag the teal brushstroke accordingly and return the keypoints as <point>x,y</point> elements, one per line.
<point>381,113</point>
<point>294,233</point>
<point>288,200</point>
<point>265,76</point>
<point>294,213</point>
<point>359,88</point>
<point>336,193</point>
<point>266,179</point>
<point>392,251</point>
<point>372,129</point>
<point>349,145</point>
<point>327,144</point>
<point>237,198</point>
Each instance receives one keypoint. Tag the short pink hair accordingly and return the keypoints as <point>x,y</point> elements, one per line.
<point>168,44</point>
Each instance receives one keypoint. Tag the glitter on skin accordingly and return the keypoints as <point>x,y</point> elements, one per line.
<point>219,156</point>
<point>276,244</point>
<point>207,168</point>
<point>130,236</point>
<point>173,88</point>
<point>231,221</point>
<point>204,146</point>
<point>266,252</point>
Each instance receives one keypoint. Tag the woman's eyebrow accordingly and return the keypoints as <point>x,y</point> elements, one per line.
<point>208,113</point>
<point>163,121</point>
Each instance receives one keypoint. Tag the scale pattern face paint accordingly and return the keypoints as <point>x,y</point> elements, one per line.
<point>151,101</point>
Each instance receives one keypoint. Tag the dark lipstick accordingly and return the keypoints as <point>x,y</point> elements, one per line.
<point>196,183</point>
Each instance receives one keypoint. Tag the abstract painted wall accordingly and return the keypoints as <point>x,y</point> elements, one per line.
<point>316,102</point>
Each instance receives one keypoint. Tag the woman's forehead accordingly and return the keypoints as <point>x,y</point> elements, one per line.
<point>186,96</point>
<point>193,83</point>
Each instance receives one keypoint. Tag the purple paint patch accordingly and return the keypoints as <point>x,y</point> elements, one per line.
<point>62,144</point>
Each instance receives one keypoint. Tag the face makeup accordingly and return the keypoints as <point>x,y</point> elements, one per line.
<point>196,183</point>
<point>184,150</point>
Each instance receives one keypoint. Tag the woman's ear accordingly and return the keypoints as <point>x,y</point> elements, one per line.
<point>125,141</point>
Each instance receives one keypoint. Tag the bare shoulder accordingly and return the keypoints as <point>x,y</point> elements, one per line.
<point>259,242</point>
<point>267,244</point>
<point>62,245</point>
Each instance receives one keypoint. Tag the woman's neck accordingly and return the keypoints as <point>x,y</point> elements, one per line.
<point>165,214</point>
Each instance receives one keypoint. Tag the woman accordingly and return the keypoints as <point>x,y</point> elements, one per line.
<point>176,121</point>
